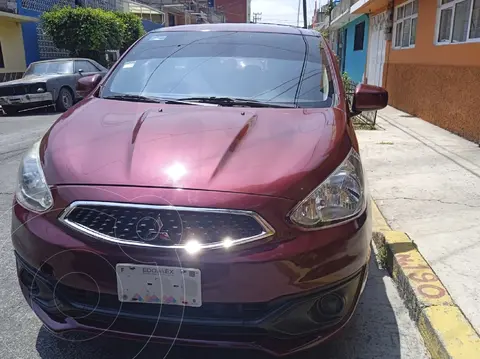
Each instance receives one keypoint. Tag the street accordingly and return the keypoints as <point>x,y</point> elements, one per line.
<point>381,327</point>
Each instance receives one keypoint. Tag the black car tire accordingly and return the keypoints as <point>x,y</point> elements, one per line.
<point>64,100</point>
<point>10,110</point>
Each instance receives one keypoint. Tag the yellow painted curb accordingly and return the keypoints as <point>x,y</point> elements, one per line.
<point>444,328</point>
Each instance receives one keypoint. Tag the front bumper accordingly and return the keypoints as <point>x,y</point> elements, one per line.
<point>264,296</point>
<point>280,327</point>
<point>22,100</point>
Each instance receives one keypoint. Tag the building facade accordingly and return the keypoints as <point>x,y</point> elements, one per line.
<point>349,39</point>
<point>320,17</point>
<point>151,18</point>
<point>185,12</point>
<point>12,51</point>
<point>427,55</point>
<point>355,35</point>
<point>236,11</point>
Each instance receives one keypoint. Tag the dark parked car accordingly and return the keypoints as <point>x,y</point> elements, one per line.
<point>51,82</point>
<point>189,197</point>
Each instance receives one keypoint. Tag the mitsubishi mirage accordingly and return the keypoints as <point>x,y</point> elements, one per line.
<point>207,191</point>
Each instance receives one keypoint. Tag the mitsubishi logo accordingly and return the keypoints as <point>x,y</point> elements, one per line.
<point>150,228</point>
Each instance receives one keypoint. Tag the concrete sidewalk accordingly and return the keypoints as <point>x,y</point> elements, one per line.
<point>426,182</point>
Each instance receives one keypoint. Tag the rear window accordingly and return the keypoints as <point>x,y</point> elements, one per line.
<point>268,67</point>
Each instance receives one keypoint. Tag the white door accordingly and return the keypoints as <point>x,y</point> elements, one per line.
<point>376,49</point>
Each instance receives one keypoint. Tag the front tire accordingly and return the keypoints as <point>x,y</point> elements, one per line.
<point>64,100</point>
<point>10,110</point>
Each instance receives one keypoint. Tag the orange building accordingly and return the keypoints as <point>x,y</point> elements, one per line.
<point>427,54</point>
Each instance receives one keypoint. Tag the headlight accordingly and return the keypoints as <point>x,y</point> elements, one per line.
<point>32,189</point>
<point>339,198</point>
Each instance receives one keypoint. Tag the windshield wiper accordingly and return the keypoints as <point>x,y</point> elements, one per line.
<point>219,101</point>
<point>134,98</point>
<point>140,98</point>
<point>229,101</point>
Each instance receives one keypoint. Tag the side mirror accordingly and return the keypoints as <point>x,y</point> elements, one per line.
<point>87,84</point>
<point>369,98</point>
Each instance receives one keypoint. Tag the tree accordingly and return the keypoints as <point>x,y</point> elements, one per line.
<point>329,9</point>
<point>133,29</point>
<point>85,32</point>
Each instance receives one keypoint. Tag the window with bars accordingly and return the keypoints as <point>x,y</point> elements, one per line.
<point>359,36</point>
<point>458,21</point>
<point>405,25</point>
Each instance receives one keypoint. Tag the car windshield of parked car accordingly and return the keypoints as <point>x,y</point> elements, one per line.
<point>271,68</point>
<point>55,67</point>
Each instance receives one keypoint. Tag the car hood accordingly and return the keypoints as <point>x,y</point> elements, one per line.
<point>267,151</point>
<point>30,79</point>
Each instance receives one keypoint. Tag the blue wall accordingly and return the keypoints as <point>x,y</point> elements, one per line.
<point>355,60</point>
<point>29,34</point>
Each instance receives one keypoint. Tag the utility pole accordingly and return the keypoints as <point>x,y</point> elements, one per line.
<point>298,13</point>
<point>330,13</point>
<point>305,25</point>
<point>257,16</point>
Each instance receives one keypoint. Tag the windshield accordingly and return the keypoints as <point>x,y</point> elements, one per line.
<point>268,67</point>
<point>54,67</point>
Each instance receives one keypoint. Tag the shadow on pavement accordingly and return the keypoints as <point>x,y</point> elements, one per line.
<point>36,112</point>
<point>372,333</point>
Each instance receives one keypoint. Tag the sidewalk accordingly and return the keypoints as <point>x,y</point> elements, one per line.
<point>426,182</point>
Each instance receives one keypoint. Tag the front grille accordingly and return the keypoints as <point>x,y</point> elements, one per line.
<point>13,90</point>
<point>164,225</point>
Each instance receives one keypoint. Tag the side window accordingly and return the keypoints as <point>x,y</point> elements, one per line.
<point>86,66</point>
<point>92,67</point>
<point>78,66</point>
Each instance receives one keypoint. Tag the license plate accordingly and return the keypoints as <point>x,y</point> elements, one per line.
<point>159,285</point>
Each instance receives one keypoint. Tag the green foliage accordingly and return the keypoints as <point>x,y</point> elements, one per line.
<point>84,32</point>
<point>347,81</point>
<point>382,256</point>
<point>133,29</point>
<point>329,7</point>
<point>88,32</point>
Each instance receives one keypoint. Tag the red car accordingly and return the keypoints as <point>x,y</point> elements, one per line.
<point>208,190</point>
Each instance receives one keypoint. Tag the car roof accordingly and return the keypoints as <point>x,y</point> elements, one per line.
<point>63,59</point>
<point>258,27</point>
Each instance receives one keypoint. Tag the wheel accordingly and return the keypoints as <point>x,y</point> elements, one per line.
<point>64,100</point>
<point>10,110</point>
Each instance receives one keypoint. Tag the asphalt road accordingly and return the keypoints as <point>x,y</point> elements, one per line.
<point>381,327</point>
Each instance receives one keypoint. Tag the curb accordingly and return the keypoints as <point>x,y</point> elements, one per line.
<point>445,330</point>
